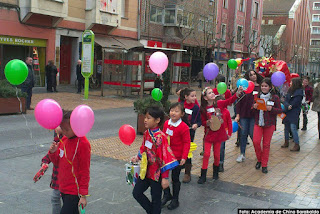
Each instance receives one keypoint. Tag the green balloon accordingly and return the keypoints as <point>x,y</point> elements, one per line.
<point>232,64</point>
<point>156,94</point>
<point>16,71</point>
<point>222,88</point>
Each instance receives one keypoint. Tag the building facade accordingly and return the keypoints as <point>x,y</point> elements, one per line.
<point>238,31</point>
<point>286,32</point>
<point>314,57</point>
<point>52,30</point>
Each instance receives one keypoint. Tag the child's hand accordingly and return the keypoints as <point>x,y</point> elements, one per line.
<point>289,107</point>
<point>237,118</point>
<point>255,106</point>
<point>164,183</point>
<point>53,148</point>
<point>269,108</point>
<point>134,159</point>
<point>182,162</point>
<point>83,201</point>
<point>194,126</point>
<point>240,90</point>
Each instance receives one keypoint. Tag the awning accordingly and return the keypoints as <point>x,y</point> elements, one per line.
<point>117,43</point>
<point>165,49</point>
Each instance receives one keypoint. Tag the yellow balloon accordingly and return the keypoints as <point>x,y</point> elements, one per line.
<point>238,60</point>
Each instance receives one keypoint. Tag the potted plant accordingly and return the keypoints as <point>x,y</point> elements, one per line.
<point>9,103</point>
<point>141,105</point>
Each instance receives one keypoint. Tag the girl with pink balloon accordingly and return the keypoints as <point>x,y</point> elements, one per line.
<point>72,155</point>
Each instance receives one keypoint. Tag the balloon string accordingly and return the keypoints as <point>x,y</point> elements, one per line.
<point>20,105</point>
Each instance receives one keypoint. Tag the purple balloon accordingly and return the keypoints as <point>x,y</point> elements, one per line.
<point>210,71</point>
<point>278,78</point>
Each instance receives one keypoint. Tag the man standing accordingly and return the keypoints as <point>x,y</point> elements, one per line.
<point>79,77</point>
<point>28,84</point>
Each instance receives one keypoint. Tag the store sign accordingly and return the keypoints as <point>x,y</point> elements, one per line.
<point>154,44</point>
<point>12,40</point>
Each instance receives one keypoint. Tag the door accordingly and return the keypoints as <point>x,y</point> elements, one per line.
<point>65,59</point>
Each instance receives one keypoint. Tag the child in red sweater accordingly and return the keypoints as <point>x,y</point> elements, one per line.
<point>192,110</point>
<point>265,123</point>
<point>209,107</point>
<point>179,139</point>
<point>72,155</point>
<point>160,160</point>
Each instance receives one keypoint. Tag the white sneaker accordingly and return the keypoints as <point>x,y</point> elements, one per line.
<point>241,158</point>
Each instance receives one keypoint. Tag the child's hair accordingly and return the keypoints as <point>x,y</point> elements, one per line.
<point>306,78</point>
<point>66,115</point>
<point>267,80</point>
<point>184,118</point>
<point>296,84</point>
<point>204,102</point>
<point>185,92</point>
<point>178,89</point>
<point>156,112</point>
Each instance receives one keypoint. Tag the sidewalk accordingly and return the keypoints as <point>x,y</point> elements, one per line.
<point>290,172</point>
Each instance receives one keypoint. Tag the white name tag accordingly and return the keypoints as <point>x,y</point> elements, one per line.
<point>188,111</point>
<point>270,103</point>
<point>211,110</point>
<point>61,153</point>
<point>254,92</point>
<point>148,144</point>
<point>169,132</point>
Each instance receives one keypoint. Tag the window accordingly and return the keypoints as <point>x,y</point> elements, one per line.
<point>241,5</point>
<point>184,18</point>
<point>316,30</point>
<point>263,22</point>
<point>315,42</point>
<point>270,22</point>
<point>170,14</point>
<point>316,5</point>
<point>108,6</point>
<point>223,32</point>
<point>225,3</point>
<point>239,34</point>
<point>316,17</point>
<point>201,24</point>
<point>156,14</point>
<point>124,8</point>
<point>254,37</point>
<point>256,9</point>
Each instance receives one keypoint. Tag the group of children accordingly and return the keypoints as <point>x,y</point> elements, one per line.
<point>187,115</point>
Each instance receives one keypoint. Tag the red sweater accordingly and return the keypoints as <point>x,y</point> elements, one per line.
<point>220,135</point>
<point>196,102</point>
<point>226,95</point>
<point>81,165</point>
<point>227,120</point>
<point>179,139</point>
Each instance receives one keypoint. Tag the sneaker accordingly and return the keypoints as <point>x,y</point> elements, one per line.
<point>241,158</point>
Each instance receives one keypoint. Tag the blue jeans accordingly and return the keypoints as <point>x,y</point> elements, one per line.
<point>247,125</point>
<point>27,90</point>
<point>222,151</point>
<point>293,127</point>
<point>56,201</point>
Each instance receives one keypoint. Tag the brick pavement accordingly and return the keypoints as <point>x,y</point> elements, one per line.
<point>288,171</point>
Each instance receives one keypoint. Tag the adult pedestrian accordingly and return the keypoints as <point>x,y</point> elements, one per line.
<point>80,78</point>
<point>200,78</point>
<point>316,104</point>
<point>51,74</point>
<point>308,91</point>
<point>28,84</point>
<point>244,113</point>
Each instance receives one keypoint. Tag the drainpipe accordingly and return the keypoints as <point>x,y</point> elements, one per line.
<point>139,19</point>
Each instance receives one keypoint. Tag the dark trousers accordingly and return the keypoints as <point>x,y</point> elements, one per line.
<point>80,84</point>
<point>51,83</point>
<point>141,186</point>
<point>49,87</point>
<point>27,90</point>
<point>70,204</point>
<point>305,119</point>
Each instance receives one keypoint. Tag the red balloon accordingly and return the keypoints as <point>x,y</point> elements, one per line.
<point>127,134</point>
<point>294,75</point>
<point>250,87</point>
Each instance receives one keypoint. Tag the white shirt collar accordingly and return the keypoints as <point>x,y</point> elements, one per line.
<point>176,124</point>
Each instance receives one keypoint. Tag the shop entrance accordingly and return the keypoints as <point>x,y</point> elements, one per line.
<point>65,59</point>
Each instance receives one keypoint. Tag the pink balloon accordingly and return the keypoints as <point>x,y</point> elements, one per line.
<point>158,62</point>
<point>48,113</point>
<point>82,120</point>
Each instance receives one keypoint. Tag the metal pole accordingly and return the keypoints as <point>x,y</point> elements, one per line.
<point>102,76</point>
<point>142,74</point>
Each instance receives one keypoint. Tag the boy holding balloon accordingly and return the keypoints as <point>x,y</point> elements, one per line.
<point>72,155</point>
